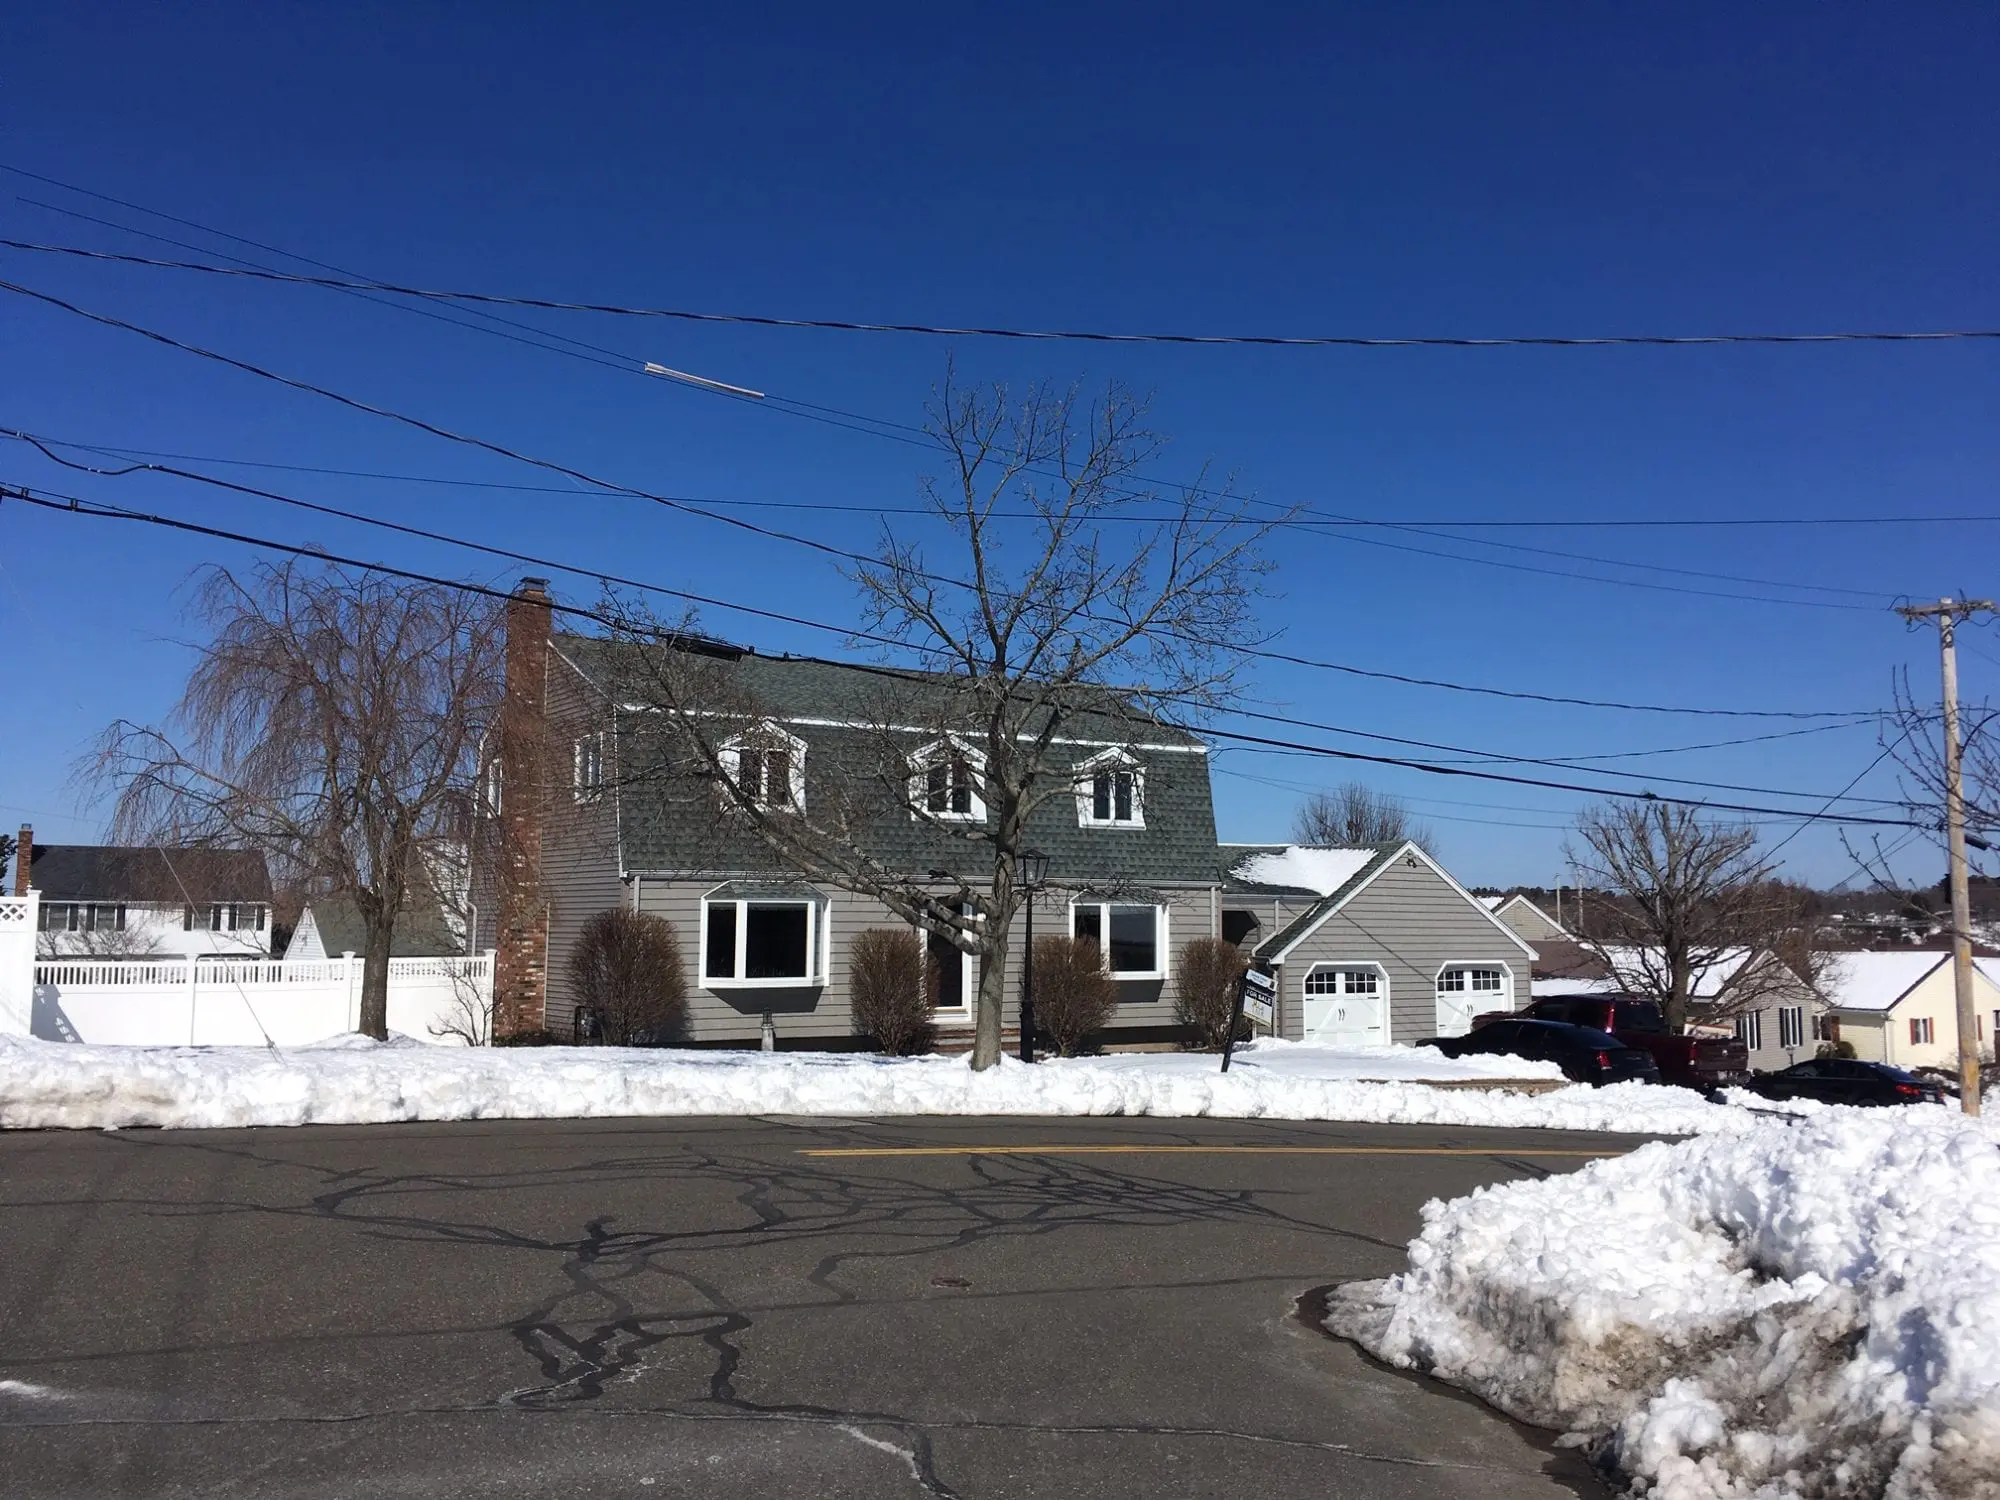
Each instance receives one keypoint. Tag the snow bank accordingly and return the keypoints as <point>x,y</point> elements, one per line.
<point>353,1081</point>
<point>1807,1307</point>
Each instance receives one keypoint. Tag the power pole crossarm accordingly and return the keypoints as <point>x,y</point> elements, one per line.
<point>1947,613</point>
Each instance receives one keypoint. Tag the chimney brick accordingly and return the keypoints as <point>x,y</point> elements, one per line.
<point>520,964</point>
<point>24,859</point>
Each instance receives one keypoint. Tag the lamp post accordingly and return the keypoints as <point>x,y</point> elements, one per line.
<point>1030,870</point>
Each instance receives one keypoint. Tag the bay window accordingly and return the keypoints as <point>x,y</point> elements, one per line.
<point>761,941</point>
<point>1132,937</point>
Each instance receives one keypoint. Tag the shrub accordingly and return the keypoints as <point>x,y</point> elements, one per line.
<point>1074,997</point>
<point>889,989</point>
<point>1206,977</point>
<point>1835,1049</point>
<point>626,971</point>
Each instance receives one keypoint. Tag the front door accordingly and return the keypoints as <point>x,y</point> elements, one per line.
<point>1346,1007</point>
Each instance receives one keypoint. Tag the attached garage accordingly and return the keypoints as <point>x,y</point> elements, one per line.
<point>1381,945</point>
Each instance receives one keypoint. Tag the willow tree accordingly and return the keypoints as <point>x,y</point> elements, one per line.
<point>334,720</point>
<point>1053,584</point>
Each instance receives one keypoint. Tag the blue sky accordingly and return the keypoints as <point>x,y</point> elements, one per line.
<point>1433,170</point>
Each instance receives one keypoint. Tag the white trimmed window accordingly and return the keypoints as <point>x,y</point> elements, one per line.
<point>947,782</point>
<point>587,768</point>
<point>1490,983</point>
<point>762,942</point>
<point>1791,1026</point>
<point>768,768</point>
<point>1132,937</point>
<point>1750,1029</point>
<point>1923,1031</point>
<point>1111,791</point>
<point>1325,981</point>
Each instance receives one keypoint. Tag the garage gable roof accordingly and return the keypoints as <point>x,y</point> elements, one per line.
<point>1279,945</point>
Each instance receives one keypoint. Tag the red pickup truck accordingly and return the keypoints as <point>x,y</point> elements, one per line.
<point>1695,1062</point>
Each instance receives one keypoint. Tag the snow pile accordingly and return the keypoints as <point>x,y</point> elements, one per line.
<point>1806,1307</point>
<point>1305,869</point>
<point>353,1081</point>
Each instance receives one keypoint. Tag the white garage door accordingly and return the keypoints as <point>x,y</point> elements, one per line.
<point>1346,1006</point>
<point>1467,990</point>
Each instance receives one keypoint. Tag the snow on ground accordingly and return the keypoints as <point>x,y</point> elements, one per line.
<point>1807,1307</point>
<point>354,1081</point>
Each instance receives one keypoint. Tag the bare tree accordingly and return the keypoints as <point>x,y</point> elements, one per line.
<point>1666,894</point>
<point>1354,814</point>
<point>333,720</point>
<point>1030,622</point>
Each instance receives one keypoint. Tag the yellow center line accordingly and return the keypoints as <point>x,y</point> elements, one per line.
<point>1144,1150</point>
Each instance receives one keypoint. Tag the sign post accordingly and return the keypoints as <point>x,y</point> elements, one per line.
<point>1256,998</point>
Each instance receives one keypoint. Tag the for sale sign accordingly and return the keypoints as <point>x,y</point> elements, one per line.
<point>1260,998</point>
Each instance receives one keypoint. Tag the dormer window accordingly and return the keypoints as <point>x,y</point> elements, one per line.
<point>946,780</point>
<point>1111,791</point>
<point>767,769</point>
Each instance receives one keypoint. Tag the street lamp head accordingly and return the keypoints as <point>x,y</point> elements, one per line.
<point>1033,868</point>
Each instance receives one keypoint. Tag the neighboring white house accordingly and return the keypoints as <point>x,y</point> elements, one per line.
<point>1785,1025</point>
<point>1902,1008</point>
<point>110,901</point>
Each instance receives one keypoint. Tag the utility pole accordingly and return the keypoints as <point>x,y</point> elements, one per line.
<point>1947,612</point>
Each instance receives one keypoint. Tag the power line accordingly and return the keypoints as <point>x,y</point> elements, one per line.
<point>916,436</point>
<point>119,451</point>
<point>74,505</point>
<point>600,577</point>
<point>842,325</point>
<point>843,554</point>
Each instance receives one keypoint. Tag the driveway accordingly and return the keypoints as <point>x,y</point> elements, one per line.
<point>954,1307</point>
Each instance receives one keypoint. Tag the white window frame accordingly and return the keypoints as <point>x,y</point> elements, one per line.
<point>1791,1027</point>
<point>768,736</point>
<point>1344,968</point>
<point>944,752</point>
<point>1750,1030</point>
<point>1162,929</point>
<point>1113,761</point>
<point>1923,1031</point>
<point>818,933</point>
<point>587,767</point>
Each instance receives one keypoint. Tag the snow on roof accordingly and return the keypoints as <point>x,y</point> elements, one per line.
<point>1491,903</point>
<point>1876,981</point>
<point>1708,981</point>
<point>1321,870</point>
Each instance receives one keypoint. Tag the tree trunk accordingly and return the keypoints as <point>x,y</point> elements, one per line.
<point>379,936</point>
<point>986,1047</point>
<point>1675,1011</point>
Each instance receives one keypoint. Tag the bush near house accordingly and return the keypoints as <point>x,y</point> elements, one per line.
<point>891,990</point>
<point>626,972</point>
<point>1074,998</point>
<point>1206,977</point>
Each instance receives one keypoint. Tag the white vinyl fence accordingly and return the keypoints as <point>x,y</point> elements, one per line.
<point>181,1002</point>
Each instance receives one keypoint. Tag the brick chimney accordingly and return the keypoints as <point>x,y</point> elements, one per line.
<point>24,859</point>
<point>520,963</point>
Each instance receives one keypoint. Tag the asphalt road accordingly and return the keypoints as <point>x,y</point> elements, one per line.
<point>708,1307</point>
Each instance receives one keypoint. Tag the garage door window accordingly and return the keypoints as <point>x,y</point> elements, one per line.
<point>1323,982</point>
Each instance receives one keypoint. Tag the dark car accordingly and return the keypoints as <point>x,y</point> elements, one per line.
<point>1585,1054</point>
<point>1842,1080</point>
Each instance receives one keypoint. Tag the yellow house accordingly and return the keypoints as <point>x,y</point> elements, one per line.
<point>1902,1008</point>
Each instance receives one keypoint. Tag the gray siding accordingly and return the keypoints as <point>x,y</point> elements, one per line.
<point>1413,924</point>
<point>822,1012</point>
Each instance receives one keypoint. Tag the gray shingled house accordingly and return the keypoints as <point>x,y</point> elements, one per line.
<point>1133,858</point>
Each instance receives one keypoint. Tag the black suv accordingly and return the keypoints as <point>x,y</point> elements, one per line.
<point>1585,1054</point>
<point>1842,1080</point>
